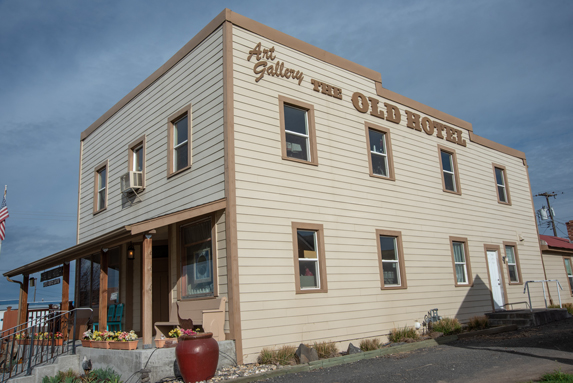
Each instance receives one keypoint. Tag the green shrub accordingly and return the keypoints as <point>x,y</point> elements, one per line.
<point>370,344</point>
<point>403,334</point>
<point>557,376</point>
<point>447,326</point>
<point>107,375</point>
<point>478,323</point>
<point>325,350</point>
<point>568,306</point>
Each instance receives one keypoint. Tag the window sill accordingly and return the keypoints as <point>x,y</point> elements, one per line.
<point>452,192</point>
<point>198,298</point>
<point>464,285</point>
<point>515,283</point>
<point>99,211</point>
<point>393,287</point>
<point>313,291</point>
<point>504,203</point>
<point>314,163</point>
<point>178,171</point>
<point>382,177</point>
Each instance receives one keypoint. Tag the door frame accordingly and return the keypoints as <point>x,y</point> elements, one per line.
<point>497,248</point>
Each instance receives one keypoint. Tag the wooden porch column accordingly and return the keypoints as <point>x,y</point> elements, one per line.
<point>146,302</point>
<point>23,301</point>
<point>103,291</point>
<point>65,298</point>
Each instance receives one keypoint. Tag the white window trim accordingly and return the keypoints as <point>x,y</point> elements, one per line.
<point>306,136</point>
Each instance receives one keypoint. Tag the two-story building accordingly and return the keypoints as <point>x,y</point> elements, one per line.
<point>255,167</point>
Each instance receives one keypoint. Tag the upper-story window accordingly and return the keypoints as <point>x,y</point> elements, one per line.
<point>179,145</point>
<point>136,162</point>
<point>298,134</point>
<point>379,152</point>
<point>501,184</point>
<point>450,175</point>
<point>138,159</point>
<point>100,187</point>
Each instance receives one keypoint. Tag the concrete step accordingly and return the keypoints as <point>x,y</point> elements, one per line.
<point>40,372</point>
<point>520,323</point>
<point>23,379</point>
<point>526,318</point>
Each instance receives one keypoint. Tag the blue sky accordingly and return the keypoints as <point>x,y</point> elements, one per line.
<point>504,66</point>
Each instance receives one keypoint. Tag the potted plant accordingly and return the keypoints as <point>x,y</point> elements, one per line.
<point>87,338</point>
<point>168,342</point>
<point>124,341</point>
<point>197,355</point>
<point>22,338</point>
<point>58,339</point>
<point>100,339</point>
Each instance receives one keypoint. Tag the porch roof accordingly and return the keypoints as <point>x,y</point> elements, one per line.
<point>558,244</point>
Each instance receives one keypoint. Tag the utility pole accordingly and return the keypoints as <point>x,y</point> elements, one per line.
<point>547,195</point>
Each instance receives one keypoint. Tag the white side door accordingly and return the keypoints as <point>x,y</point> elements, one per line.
<point>495,278</point>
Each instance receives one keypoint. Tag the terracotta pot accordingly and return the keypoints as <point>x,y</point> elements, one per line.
<point>100,344</point>
<point>167,342</point>
<point>129,345</point>
<point>86,343</point>
<point>160,343</point>
<point>197,356</point>
<point>23,342</point>
<point>58,342</point>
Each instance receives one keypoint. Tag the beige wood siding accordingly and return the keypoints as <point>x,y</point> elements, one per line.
<point>196,80</point>
<point>555,269</point>
<point>221,243</point>
<point>339,194</point>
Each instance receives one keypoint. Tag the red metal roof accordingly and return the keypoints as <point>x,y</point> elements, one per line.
<point>562,243</point>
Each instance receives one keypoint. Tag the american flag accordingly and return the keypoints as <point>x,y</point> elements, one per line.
<point>3,216</point>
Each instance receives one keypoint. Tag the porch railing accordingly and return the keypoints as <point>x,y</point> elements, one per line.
<point>543,282</point>
<point>38,341</point>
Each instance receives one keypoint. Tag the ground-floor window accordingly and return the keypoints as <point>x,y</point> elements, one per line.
<point>197,266</point>
<point>89,276</point>
<point>309,258</point>
<point>569,271</point>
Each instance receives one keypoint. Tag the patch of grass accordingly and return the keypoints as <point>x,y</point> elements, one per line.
<point>325,349</point>
<point>557,377</point>
<point>478,323</point>
<point>568,306</point>
<point>447,326</point>
<point>283,356</point>
<point>403,334</point>
<point>370,344</point>
<point>99,375</point>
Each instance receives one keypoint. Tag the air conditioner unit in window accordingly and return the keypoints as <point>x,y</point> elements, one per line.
<point>131,181</point>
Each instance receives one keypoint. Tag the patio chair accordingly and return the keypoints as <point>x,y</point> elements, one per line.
<point>115,323</point>
<point>110,316</point>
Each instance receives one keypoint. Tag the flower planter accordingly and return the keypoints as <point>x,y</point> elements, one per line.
<point>58,342</point>
<point>100,344</point>
<point>197,356</point>
<point>23,342</point>
<point>168,342</point>
<point>129,345</point>
<point>86,343</point>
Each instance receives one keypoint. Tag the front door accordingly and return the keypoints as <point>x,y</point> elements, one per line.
<point>495,280</point>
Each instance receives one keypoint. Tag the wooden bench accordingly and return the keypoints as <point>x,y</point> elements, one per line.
<point>209,313</point>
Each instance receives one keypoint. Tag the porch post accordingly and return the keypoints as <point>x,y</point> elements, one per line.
<point>103,291</point>
<point>23,300</point>
<point>65,298</point>
<point>146,309</point>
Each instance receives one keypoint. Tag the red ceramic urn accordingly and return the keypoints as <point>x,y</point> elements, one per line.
<point>197,356</point>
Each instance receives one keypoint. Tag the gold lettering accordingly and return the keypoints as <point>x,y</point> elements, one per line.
<point>393,113</point>
<point>299,76</point>
<point>460,141</point>
<point>271,51</point>
<point>316,85</point>
<point>255,51</point>
<point>428,126</point>
<point>256,69</point>
<point>362,105</point>
<point>450,134</point>
<point>439,129</point>
<point>338,93</point>
<point>375,111</point>
<point>326,89</point>
<point>413,121</point>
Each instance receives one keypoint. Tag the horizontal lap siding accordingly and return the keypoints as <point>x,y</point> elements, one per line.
<point>196,79</point>
<point>555,269</point>
<point>339,194</point>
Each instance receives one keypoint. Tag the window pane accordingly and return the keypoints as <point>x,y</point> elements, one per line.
<point>101,178</point>
<point>181,157</point>
<point>113,275</point>
<point>377,141</point>
<point>460,273</point>
<point>295,120</point>
<point>308,274</point>
<point>101,199</point>
<point>84,282</point>
<point>388,248</point>
<point>447,161</point>
<point>501,193</point>
<point>499,176</point>
<point>510,254</point>
<point>568,266</point>
<point>459,255</point>
<point>379,165</point>
<point>571,283</point>
<point>95,279</point>
<point>180,131</point>
<point>138,159</point>
<point>197,260</point>
<point>449,182</point>
<point>390,270</point>
<point>513,273</point>
<point>297,147</point>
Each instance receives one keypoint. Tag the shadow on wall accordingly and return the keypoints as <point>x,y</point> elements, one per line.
<point>476,302</point>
